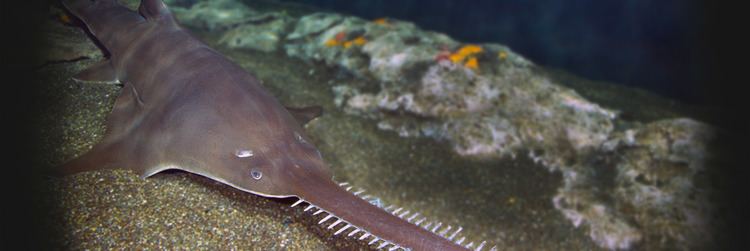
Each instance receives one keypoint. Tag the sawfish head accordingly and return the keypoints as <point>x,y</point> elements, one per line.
<point>272,158</point>
<point>271,171</point>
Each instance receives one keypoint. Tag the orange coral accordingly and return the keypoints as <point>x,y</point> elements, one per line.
<point>381,21</point>
<point>466,53</point>
<point>359,41</point>
<point>457,58</point>
<point>469,49</point>
<point>331,42</point>
<point>339,39</point>
<point>472,63</point>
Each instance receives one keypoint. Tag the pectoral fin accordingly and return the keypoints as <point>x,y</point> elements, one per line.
<point>101,156</point>
<point>101,72</point>
<point>303,115</point>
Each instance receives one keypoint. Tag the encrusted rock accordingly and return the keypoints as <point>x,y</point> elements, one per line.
<point>653,192</point>
<point>491,115</point>
<point>264,35</point>
<point>400,48</point>
<point>312,37</point>
<point>313,24</point>
<point>213,15</point>
<point>494,107</point>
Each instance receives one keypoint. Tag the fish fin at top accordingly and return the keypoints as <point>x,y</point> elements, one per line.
<point>154,9</point>
<point>100,72</point>
<point>303,115</point>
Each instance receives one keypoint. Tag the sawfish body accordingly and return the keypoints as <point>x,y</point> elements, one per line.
<point>185,106</point>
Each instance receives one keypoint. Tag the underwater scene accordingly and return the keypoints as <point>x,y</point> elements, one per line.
<point>434,139</point>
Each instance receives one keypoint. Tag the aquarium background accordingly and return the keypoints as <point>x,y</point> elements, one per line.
<point>653,45</point>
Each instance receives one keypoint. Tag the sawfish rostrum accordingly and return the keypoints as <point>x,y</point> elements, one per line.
<point>185,106</point>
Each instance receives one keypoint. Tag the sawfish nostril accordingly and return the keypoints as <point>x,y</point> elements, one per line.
<point>256,174</point>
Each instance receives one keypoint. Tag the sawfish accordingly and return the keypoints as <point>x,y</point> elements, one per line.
<point>185,106</point>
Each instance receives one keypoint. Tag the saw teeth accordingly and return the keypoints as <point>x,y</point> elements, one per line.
<point>455,233</point>
<point>326,218</point>
<point>437,227</point>
<point>460,240</point>
<point>335,223</point>
<point>353,232</point>
<point>445,231</point>
<point>364,236</point>
<point>342,229</point>
<point>311,206</point>
<point>397,210</point>
<point>412,217</point>
<point>383,244</point>
<point>434,227</point>
<point>374,239</point>
<point>420,221</point>
<point>403,214</point>
<point>481,245</point>
<point>298,202</point>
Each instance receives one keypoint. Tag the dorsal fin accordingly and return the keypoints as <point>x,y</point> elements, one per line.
<point>154,9</point>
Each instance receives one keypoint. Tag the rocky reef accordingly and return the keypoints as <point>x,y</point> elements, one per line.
<point>624,183</point>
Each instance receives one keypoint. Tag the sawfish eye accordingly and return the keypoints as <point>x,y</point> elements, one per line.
<point>256,174</point>
<point>243,153</point>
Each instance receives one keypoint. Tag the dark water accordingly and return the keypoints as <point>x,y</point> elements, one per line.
<point>653,45</point>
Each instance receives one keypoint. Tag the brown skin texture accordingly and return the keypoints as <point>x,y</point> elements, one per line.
<point>185,106</point>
